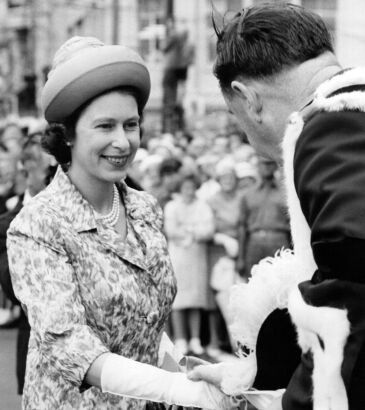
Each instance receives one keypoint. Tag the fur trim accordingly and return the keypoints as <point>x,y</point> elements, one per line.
<point>299,227</point>
<point>354,100</point>
<point>347,78</point>
<point>315,326</point>
<point>251,303</point>
<point>274,278</point>
<point>267,290</point>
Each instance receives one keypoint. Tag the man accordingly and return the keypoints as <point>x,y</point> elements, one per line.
<point>264,226</point>
<point>273,60</point>
<point>179,55</point>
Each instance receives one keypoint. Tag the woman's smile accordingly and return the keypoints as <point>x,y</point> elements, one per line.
<point>118,161</point>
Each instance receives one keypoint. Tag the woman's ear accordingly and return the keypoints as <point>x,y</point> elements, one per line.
<point>248,94</point>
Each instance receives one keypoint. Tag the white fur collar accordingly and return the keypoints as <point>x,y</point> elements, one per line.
<point>353,76</point>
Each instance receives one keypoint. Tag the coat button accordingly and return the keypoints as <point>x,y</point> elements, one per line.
<point>152,317</point>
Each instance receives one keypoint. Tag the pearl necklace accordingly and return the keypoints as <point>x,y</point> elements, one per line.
<point>112,217</point>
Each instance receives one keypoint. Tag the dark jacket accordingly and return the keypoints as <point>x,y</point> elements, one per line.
<point>6,285</point>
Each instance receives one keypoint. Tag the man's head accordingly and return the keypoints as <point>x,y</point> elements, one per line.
<point>266,57</point>
<point>266,168</point>
<point>170,174</point>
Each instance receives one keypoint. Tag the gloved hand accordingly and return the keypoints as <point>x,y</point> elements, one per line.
<point>218,373</point>
<point>126,377</point>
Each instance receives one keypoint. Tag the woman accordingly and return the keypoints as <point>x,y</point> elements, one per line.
<point>223,248</point>
<point>87,256</point>
<point>189,225</point>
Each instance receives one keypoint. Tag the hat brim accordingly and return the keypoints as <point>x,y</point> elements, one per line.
<point>90,74</point>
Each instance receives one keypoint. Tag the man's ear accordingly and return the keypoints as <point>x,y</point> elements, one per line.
<point>250,95</point>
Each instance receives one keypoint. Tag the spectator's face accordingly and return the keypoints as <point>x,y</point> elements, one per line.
<point>13,139</point>
<point>35,177</point>
<point>234,142</point>
<point>35,165</point>
<point>197,148</point>
<point>8,171</point>
<point>171,181</point>
<point>246,183</point>
<point>187,190</point>
<point>266,168</point>
<point>228,181</point>
<point>220,146</point>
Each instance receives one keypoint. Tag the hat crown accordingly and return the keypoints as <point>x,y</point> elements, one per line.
<point>71,48</point>
<point>84,68</point>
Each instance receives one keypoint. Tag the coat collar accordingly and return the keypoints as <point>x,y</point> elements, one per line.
<point>72,205</point>
<point>79,213</point>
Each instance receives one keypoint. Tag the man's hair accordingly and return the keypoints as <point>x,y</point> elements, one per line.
<point>262,40</point>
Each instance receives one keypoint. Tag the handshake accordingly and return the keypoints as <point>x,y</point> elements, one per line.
<point>200,387</point>
<point>126,377</point>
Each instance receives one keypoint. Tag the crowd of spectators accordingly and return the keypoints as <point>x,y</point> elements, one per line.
<point>220,201</point>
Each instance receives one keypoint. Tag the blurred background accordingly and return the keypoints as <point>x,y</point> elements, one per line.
<point>31,31</point>
<point>191,148</point>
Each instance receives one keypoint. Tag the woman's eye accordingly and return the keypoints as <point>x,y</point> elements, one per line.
<point>132,125</point>
<point>105,126</point>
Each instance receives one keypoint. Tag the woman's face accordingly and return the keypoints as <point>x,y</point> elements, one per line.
<point>228,182</point>
<point>107,136</point>
<point>187,190</point>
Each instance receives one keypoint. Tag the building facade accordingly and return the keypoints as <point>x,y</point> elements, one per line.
<point>32,30</point>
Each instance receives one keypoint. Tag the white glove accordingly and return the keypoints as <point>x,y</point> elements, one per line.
<point>126,377</point>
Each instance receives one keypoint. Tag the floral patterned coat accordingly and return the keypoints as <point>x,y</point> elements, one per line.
<point>86,292</point>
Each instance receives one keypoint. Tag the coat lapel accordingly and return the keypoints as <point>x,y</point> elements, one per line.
<point>81,216</point>
<point>129,249</point>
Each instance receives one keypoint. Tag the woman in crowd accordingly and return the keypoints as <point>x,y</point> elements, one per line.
<point>188,226</point>
<point>88,260</point>
<point>223,248</point>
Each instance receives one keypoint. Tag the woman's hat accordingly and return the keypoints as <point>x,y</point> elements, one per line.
<point>225,166</point>
<point>84,68</point>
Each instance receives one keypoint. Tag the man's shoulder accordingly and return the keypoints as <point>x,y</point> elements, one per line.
<point>343,92</point>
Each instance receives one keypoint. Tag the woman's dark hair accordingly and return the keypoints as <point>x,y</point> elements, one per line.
<point>189,176</point>
<point>3,147</point>
<point>261,40</point>
<point>58,136</point>
<point>169,166</point>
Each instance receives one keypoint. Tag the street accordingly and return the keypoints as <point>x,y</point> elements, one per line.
<point>9,400</point>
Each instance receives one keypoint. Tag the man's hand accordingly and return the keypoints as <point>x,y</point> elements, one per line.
<point>211,373</point>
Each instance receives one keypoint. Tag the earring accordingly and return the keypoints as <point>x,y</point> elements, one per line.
<point>68,143</point>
